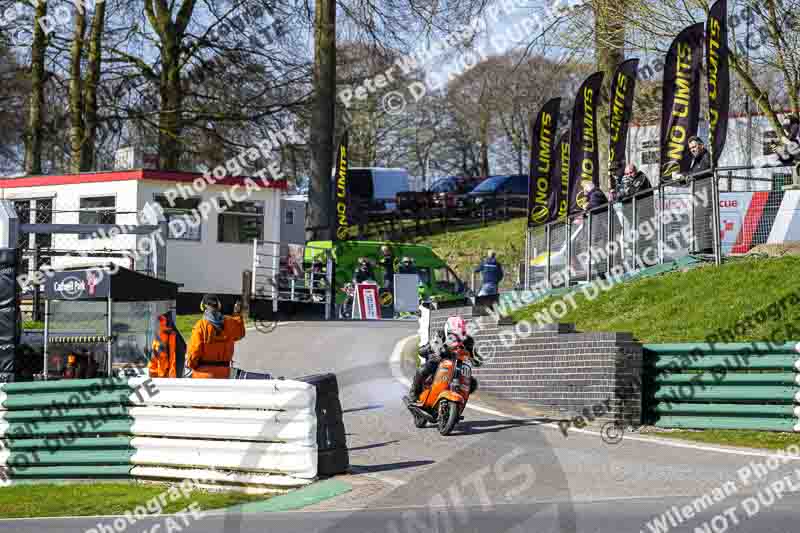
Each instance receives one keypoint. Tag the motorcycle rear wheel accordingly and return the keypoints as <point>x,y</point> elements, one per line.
<point>448,417</point>
<point>419,421</point>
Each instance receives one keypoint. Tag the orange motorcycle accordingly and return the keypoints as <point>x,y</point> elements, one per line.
<point>445,394</point>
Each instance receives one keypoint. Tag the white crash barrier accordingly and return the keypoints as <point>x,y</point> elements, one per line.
<point>272,394</point>
<point>259,432</point>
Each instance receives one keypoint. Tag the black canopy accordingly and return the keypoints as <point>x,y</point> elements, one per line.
<point>98,282</point>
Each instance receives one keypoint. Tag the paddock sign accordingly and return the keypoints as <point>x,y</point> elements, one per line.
<point>366,305</point>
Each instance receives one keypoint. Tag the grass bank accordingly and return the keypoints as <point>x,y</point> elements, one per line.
<point>688,306</point>
<point>463,249</point>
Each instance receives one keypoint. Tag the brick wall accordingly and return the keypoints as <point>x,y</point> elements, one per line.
<point>555,368</point>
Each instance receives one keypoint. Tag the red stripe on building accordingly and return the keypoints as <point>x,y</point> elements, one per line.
<point>127,175</point>
<point>750,223</point>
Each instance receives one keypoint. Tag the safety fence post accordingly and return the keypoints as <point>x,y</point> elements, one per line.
<point>589,246</point>
<point>692,226</point>
<point>547,249</point>
<point>568,262</point>
<point>634,233</point>
<point>716,219</point>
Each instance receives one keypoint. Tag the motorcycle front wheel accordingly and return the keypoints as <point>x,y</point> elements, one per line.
<point>448,417</point>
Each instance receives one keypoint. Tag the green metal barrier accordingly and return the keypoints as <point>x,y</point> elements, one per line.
<point>66,429</point>
<point>722,386</point>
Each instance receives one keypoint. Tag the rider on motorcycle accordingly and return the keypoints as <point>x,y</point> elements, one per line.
<point>455,332</point>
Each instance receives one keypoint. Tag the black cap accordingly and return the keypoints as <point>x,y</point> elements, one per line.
<point>212,300</point>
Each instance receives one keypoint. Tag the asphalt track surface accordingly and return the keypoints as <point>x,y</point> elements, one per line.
<point>499,472</point>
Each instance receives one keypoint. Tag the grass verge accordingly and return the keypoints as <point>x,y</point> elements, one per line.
<point>768,440</point>
<point>464,248</point>
<point>185,324</point>
<point>689,306</point>
<point>84,499</point>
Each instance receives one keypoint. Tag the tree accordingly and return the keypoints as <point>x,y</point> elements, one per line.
<point>653,24</point>
<point>320,222</point>
<point>34,132</point>
<point>13,91</point>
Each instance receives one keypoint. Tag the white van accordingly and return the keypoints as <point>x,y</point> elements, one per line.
<point>381,185</point>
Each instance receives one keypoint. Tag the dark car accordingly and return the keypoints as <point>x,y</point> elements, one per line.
<point>451,192</point>
<point>499,194</point>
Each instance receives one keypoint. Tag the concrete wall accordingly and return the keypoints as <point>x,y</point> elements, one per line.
<point>558,369</point>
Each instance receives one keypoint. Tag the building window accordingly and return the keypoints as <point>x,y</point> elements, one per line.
<point>43,214</point>
<point>650,153</point>
<point>241,223</point>
<point>97,210</point>
<point>38,211</point>
<point>23,209</point>
<point>290,217</point>
<point>181,209</point>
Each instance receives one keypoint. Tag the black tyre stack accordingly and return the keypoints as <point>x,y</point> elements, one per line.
<point>331,440</point>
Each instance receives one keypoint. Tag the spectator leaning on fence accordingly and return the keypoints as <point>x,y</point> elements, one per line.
<point>786,150</point>
<point>595,197</point>
<point>631,183</point>
<point>492,273</point>
<point>210,350</point>
<point>701,159</point>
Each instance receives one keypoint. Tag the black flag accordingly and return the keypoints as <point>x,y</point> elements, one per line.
<point>542,196</point>
<point>583,150</point>
<point>680,113</point>
<point>621,99</point>
<point>718,77</point>
<point>560,175</point>
<point>342,198</point>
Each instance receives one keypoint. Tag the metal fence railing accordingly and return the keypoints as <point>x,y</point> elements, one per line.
<point>293,273</point>
<point>658,225</point>
<point>59,233</point>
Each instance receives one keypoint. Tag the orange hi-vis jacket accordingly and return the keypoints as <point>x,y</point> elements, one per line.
<point>210,352</point>
<point>162,362</point>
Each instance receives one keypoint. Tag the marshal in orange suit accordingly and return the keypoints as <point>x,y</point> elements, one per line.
<point>210,349</point>
<point>162,362</point>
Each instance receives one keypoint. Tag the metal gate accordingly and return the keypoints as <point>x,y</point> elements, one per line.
<point>292,273</point>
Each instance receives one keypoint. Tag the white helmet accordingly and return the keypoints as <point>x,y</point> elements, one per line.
<point>457,327</point>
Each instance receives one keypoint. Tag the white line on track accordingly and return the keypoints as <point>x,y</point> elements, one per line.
<point>396,365</point>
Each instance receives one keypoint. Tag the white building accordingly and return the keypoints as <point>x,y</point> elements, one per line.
<point>208,256</point>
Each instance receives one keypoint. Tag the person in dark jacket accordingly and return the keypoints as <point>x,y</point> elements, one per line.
<point>701,159</point>
<point>703,225</point>
<point>363,271</point>
<point>492,273</point>
<point>631,183</point>
<point>407,266</point>
<point>386,262</point>
<point>595,197</point>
